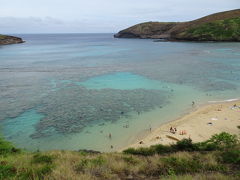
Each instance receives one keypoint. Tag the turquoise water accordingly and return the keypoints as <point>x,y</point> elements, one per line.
<point>122,80</point>
<point>119,80</point>
<point>69,91</point>
<point>21,127</point>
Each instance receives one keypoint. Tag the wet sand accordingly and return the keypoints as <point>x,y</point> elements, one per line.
<point>199,125</point>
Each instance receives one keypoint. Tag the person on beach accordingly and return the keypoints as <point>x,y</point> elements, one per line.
<point>126,126</point>
<point>110,136</point>
<point>183,132</point>
<point>172,130</point>
<point>193,103</point>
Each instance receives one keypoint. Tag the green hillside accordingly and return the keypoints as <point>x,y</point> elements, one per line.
<point>223,26</point>
<point>221,30</point>
<point>216,159</point>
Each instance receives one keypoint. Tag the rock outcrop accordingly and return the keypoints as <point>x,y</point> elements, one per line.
<point>223,26</point>
<point>5,40</point>
<point>153,30</point>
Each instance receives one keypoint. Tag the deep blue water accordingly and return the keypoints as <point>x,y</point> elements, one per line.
<point>69,91</point>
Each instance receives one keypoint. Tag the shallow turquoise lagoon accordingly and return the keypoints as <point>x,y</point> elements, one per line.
<point>20,128</point>
<point>119,80</point>
<point>69,91</point>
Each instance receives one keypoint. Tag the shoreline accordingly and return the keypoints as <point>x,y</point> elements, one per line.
<point>199,124</point>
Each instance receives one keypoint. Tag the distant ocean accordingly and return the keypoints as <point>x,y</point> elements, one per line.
<point>71,91</point>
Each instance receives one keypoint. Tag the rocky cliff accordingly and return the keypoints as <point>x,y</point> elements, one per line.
<point>4,40</point>
<point>223,26</point>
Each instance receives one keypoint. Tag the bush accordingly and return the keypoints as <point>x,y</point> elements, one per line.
<point>205,146</point>
<point>231,156</point>
<point>223,140</point>
<point>6,170</point>
<point>141,151</point>
<point>130,159</point>
<point>89,163</point>
<point>181,165</point>
<point>216,142</point>
<point>7,148</point>
<point>44,170</point>
<point>162,149</point>
<point>184,145</point>
<point>38,158</point>
<point>37,173</point>
<point>129,151</point>
<point>98,161</point>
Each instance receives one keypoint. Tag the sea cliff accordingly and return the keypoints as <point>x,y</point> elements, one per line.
<point>223,26</point>
<point>5,40</point>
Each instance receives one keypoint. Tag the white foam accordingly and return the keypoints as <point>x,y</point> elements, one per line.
<point>228,100</point>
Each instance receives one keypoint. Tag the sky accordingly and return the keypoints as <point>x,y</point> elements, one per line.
<point>99,16</point>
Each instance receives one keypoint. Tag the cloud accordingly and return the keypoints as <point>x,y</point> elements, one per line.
<point>44,16</point>
<point>49,25</point>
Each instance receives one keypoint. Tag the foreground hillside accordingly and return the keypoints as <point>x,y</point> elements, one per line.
<point>217,158</point>
<point>223,26</point>
<point>5,40</point>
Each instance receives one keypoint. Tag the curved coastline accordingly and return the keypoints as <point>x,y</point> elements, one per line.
<point>200,124</point>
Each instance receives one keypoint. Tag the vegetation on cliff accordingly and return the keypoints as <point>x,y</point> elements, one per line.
<point>217,158</point>
<point>223,26</point>
<point>146,30</point>
<point>221,30</point>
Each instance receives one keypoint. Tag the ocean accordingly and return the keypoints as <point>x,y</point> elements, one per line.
<point>92,91</point>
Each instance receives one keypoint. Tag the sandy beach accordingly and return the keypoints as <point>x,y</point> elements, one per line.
<point>199,125</point>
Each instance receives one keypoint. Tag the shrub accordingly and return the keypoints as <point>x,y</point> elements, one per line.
<point>44,170</point>
<point>36,173</point>
<point>6,170</point>
<point>205,146</point>
<point>162,149</point>
<point>231,156</point>
<point>181,165</point>
<point>89,163</point>
<point>184,145</point>
<point>38,158</point>
<point>140,151</point>
<point>98,161</point>
<point>129,151</point>
<point>223,140</point>
<point>7,148</point>
<point>216,142</point>
<point>130,159</point>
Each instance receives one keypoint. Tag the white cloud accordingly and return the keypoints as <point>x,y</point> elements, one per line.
<point>99,15</point>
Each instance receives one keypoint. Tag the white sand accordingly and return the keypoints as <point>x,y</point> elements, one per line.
<point>199,125</point>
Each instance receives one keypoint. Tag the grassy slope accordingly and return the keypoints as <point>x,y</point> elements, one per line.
<point>2,36</point>
<point>148,29</point>
<point>180,161</point>
<point>220,30</point>
<point>223,26</point>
